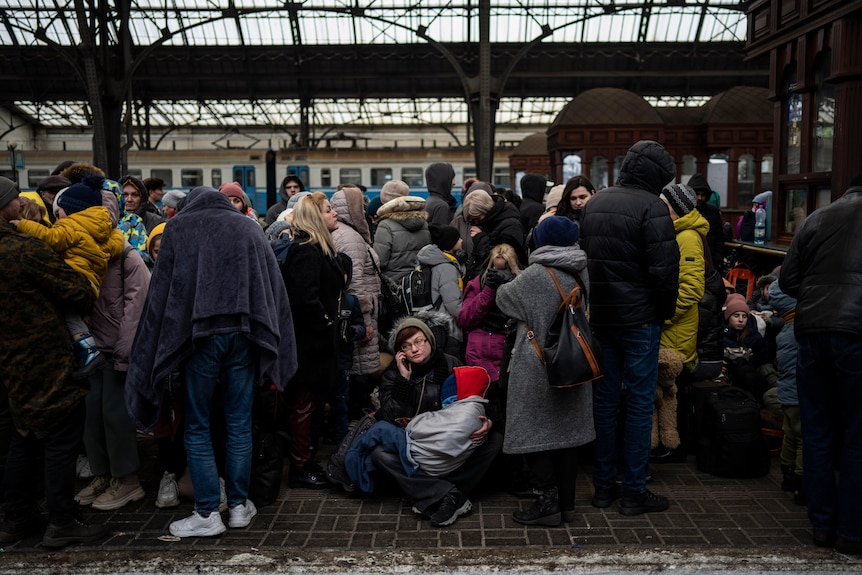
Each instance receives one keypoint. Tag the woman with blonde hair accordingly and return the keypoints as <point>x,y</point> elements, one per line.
<point>492,221</point>
<point>314,281</point>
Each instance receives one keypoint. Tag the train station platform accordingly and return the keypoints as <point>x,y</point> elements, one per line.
<point>713,525</point>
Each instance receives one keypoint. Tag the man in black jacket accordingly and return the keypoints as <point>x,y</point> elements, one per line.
<point>533,191</point>
<point>712,214</point>
<point>634,279</point>
<point>822,271</point>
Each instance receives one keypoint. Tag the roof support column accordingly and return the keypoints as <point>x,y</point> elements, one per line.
<point>484,109</point>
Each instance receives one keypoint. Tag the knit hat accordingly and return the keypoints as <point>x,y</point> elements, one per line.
<point>53,184</point>
<point>154,233</point>
<point>556,231</point>
<point>294,199</point>
<point>172,198</point>
<point>444,237</point>
<point>471,380</point>
<point>8,191</point>
<point>232,190</point>
<point>699,184</point>
<point>78,197</point>
<point>554,196</point>
<point>420,325</point>
<point>681,198</point>
<point>735,303</point>
<point>393,189</point>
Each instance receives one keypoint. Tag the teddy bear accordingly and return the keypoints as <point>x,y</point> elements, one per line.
<point>664,429</point>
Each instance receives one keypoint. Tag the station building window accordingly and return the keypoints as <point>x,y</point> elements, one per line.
<point>824,122</point>
<point>572,167</point>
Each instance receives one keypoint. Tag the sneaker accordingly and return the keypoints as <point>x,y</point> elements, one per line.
<point>633,503</point>
<point>545,511</point>
<point>196,525</point>
<point>121,492</point>
<point>97,486</point>
<point>169,492</point>
<point>452,506</point>
<point>60,534</point>
<point>82,468</point>
<point>242,514</point>
<point>604,497</point>
<point>13,531</point>
<point>222,496</point>
<point>88,358</point>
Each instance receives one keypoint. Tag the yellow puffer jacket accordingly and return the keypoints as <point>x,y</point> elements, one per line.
<point>680,332</point>
<point>87,240</point>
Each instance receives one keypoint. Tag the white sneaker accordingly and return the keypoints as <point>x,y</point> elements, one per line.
<point>198,526</point>
<point>222,502</point>
<point>242,514</point>
<point>82,468</point>
<point>169,492</point>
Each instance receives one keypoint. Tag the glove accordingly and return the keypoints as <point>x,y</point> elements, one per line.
<point>401,390</point>
<point>494,279</point>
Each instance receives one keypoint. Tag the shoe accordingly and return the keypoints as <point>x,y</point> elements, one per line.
<point>309,476</point>
<point>605,497</point>
<point>242,514</point>
<point>545,511</point>
<point>633,503</point>
<point>788,478</point>
<point>169,492</point>
<point>82,468</point>
<point>568,515</point>
<point>196,525</point>
<point>13,531</point>
<point>662,454</point>
<point>121,492</point>
<point>72,531</point>
<point>87,357</point>
<point>97,486</point>
<point>453,505</point>
<point>824,538</point>
<point>848,547</point>
<point>339,478</point>
<point>222,496</point>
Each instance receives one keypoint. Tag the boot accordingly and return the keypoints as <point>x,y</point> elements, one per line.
<point>788,481</point>
<point>545,511</point>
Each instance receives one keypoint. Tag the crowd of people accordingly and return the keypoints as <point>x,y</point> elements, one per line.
<point>131,308</point>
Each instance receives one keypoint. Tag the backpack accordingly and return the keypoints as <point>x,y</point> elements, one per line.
<point>746,226</point>
<point>743,279</point>
<point>730,439</point>
<point>336,471</point>
<point>280,247</point>
<point>416,290</point>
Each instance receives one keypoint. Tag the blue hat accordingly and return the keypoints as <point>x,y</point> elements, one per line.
<point>79,197</point>
<point>556,231</point>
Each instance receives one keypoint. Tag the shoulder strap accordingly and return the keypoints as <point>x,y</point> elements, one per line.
<point>530,334</point>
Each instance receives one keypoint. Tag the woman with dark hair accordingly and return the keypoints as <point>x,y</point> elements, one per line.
<point>314,281</point>
<point>576,194</point>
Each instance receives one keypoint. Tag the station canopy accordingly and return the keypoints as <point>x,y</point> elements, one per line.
<point>268,23</point>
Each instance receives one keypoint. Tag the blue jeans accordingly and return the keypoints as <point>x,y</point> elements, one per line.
<point>829,384</point>
<point>221,363</point>
<point>630,373</point>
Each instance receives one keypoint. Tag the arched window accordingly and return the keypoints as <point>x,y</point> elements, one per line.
<point>571,167</point>
<point>745,191</point>
<point>599,172</point>
<point>824,107</point>
<point>792,125</point>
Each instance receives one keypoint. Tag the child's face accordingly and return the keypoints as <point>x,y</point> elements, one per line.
<point>154,247</point>
<point>737,320</point>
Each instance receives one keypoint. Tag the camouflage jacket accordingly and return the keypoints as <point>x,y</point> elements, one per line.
<point>35,357</point>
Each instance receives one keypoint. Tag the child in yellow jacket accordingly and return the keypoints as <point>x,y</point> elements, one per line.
<point>85,237</point>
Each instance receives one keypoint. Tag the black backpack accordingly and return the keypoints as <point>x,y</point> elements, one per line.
<point>730,437</point>
<point>416,290</point>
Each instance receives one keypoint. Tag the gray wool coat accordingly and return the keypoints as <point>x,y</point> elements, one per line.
<point>538,417</point>
<point>352,238</point>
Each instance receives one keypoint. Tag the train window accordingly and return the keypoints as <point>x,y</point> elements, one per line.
<point>249,179</point>
<point>380,176</point>
<point>325,177</point>
<point>412,176</point>
<point>36,176</point>
<point>215,174</point>
<point>135,173</point>
<point>350,175</point>
<point>502,178</point>
<point>191,177</point>
<point>469,172</point>
<point>165,175</point>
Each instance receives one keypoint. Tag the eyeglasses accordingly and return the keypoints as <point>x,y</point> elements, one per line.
<point>417,343</point>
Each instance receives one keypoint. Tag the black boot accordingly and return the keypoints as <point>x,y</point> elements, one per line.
<point>788,480</point>
<point>545,511</point>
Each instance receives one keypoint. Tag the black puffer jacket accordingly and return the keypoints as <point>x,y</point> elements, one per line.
<point>532,207</point>
<point>823,268</point>
<point>502,225</point>
<point>629,238</point>
<point>710,327</point>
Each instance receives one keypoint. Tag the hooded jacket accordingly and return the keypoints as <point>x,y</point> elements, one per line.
<point>533,191</point>
<point>399,237</point>
<point>445,278</point>
<point>352,238</point>
<point>281,205</point>
<point>786,347</point>
<point>630,240</point>
<point>679,333</point>
<point>147,211</point>
<point>441,203</point>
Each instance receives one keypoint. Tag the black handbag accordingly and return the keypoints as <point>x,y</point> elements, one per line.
<point>570,353</point>
<point>390,305</point>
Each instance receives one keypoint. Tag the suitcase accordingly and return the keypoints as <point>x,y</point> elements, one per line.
<point>730,438</point>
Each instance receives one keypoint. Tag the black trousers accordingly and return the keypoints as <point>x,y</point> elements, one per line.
<point>22,481</point>
<point>426,490</point>
<point>556,468</point>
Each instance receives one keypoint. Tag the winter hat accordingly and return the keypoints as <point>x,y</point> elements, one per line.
<point>53,184</point>
<point>762,197</point>
<point>393,189</point>
<point>479,185</point>
<point>471,380</point>
<point>78,197</point>
<point>172,198</point>
<point>154,233</point>
<point>735,303</point>
<point>699,184</point>
<point>294,199</point>
<point>556,231</point>
<point>8,191</point>
<point>418,324</point>
<point>232,190</point>
<point>681,198</point>
<point>533,186</point>
<point>444,237</point>
<point>554,196</point>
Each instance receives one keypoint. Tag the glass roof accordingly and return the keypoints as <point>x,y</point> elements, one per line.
<point>309,22</point>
